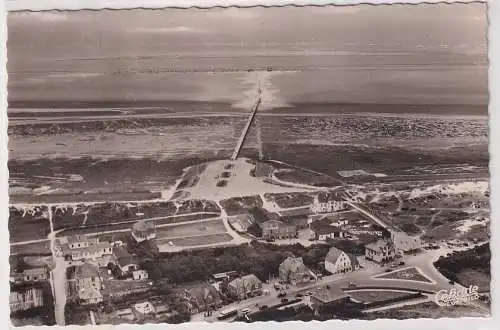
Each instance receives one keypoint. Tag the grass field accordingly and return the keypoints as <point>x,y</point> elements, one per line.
<point>289,200</point>
<point>30,225</point>
<point>38,248</point>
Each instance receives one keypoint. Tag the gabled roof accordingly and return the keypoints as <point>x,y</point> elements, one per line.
<point>330,293</point>
<point>245,281</point>
<point>35,271</point>
<point>293,265</point>
<point>123,257</point>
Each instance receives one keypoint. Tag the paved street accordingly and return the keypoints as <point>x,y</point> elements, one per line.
<point>363,278</point>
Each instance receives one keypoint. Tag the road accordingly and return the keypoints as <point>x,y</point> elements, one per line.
<point>368,214</point>
<point>364,279</point>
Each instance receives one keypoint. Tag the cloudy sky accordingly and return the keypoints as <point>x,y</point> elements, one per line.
<point>387,54</point>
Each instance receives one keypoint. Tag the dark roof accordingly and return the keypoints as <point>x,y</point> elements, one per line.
<point>330,293</point>
<point>204,293</point>
<point>260,215</point>
<point>123,257</point>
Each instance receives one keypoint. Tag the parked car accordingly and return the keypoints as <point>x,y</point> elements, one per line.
<point>281,294</point>
<point>263,307</point>
<point>284,300</point>
<point>452,282</point>
<point>299,295</point>
<point>352,285</point>
<point>388,270</point>
<point>401,263</point>
<point>308,293</point>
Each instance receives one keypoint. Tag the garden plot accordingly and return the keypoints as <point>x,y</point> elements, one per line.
<point>372,296</point>
<point>201,228</point>
<point>407,274</point>
<point>28,224</point>
<point>290,200</point>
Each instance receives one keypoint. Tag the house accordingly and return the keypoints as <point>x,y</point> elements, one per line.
<point>81,241</point>
<point>125,262</point>
<point>35,274</point>
<point>241,222</point>
<point>322,230</point>
<point>226,276</point>
<point>299,221</point>
<point>381,251</point>
<point>81,247</point>
<point>338,261</point>
<point>202,298</point>
<point>274,229</point>
<point>88,283</point>
<point>327,202</point>
<point>245,287</point>
<point>140,274</point>
<point>292,270</point>
<point>328,297</point>
<point>404,242</point>
<point>144,308</point>
<point>25,299</point>
<point>143,230</point>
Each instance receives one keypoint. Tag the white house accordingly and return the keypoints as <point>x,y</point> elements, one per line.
<point>328,202</point>
<point>405,243</point>
<point>338,261</point>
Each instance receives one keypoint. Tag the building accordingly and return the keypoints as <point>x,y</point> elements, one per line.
<point>338,261</point>
<point>25,299</point>
<point>88,283</point>
<point>140,274</point>
<point>299,221</point>
<point>81,241</point>
<point>143,230</point>
<point>326,202</point>
<point>274,229</point>
<point>125,262</point>
<point>226,276</point>
<point>202,298</point>
<point>241,222</point>
<point>381,251</point>
<point>405,243</point>
<point>328,297</point>
<point>322,230</point>
<point>35,274</point>
<point>82,247</point>
<point>245,287</point>
<point>292,270</point>
<point>144,308</point>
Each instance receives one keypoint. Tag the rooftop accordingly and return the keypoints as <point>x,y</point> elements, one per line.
<point>143,225</point>
<point>330,293</point>
<point>381,243</point>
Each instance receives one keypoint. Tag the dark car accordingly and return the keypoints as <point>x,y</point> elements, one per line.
<point>452,282</point>
<point>281,294</point>
<point>388,270</point>
<point>263,307</point>
<point>284,300</point>
<point>401,263</point>
<point>299,295</point>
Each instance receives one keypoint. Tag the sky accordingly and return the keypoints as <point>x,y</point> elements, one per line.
<point>384,54</point>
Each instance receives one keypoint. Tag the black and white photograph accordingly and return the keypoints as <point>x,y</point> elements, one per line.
<point>248,164</point>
